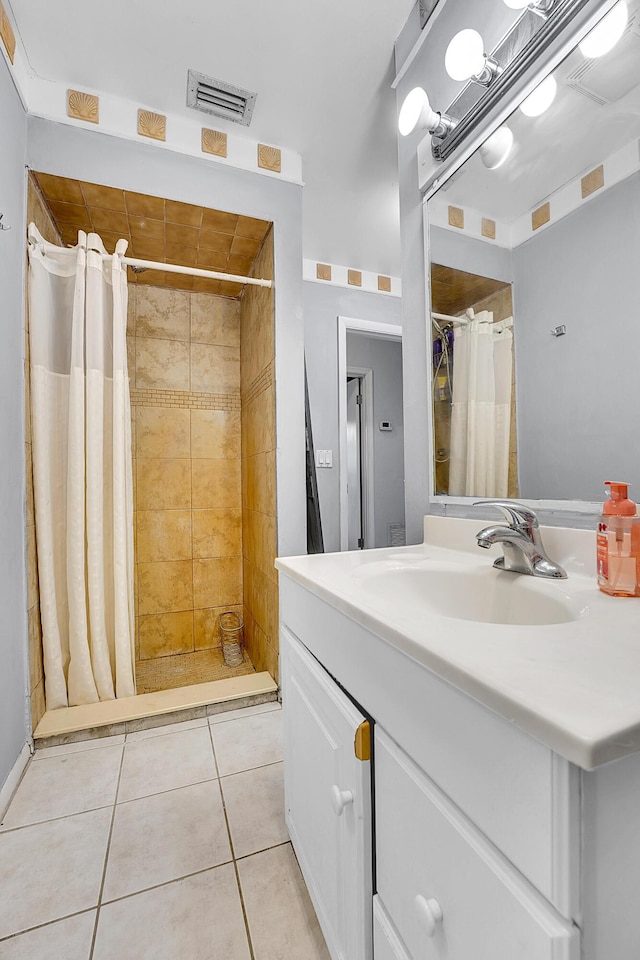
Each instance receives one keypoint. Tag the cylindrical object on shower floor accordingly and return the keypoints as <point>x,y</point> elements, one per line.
<point>231,631</point>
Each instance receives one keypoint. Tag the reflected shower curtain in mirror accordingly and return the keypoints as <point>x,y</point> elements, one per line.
<point>81,425</point>
<point>481,408</point>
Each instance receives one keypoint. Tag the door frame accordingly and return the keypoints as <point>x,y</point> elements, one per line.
<point>366,453</point>
<point>383,331</point>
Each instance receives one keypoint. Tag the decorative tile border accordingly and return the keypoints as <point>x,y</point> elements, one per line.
<point>185,399</point>
<point>123,118</point>
<point>456,217</point>
<point>83,106</point>
<point>616,168</point>
<point>262,382</point>
<point>336,275</point>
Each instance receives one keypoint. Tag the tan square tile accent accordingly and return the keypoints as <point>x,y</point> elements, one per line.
<point>162,364</point>
<point>269,158</point>
<point>215,485</point>
<point>83,106</point>
<point>541,216</point>
<point>323,271</point>
<point>164,634</point>
<point>7,35</point>
<point>217,533</point>
<point>153,125</point>
<point>384,284</point>
<point>163,433</point>
<point>217,582</point>
<point>163,314</point>
<point>488,228</point>
<point>456,217</point>
<point>163,484</point>
<point>354,278</point>
<point>214,368</point>
<point>214,142</point>
<point>163,535</point>
<point>592,181</point>
<point>215,434</point>
<point>165,587</point>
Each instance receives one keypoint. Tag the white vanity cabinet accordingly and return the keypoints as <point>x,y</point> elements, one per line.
<point>328,799</point>
<point>487,845</point>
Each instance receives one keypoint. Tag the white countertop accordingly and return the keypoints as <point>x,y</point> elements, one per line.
<point>575,686</point>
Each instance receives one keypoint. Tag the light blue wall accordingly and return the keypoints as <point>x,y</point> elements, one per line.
<point>451,249</point>
<point>323,304</point>
<point>578,396</point>
<point>13,600</point>
<point>88,155</point>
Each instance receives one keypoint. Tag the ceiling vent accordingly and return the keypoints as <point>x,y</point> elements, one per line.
<point>219,98</point>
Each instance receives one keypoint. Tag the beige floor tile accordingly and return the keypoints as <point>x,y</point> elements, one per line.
<point>199,918</point>
<point>69,939</point>
<point>79,746</point>
<point>164,763</point>
<point>268,707</point>
<point>249,742</point>
<point>180,727</point>
<point>165,837</point>
<point>255,808</point>
<point>63,785</point>
<point>59,863</point>
<point>282,921</point>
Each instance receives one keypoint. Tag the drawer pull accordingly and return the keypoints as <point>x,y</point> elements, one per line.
<point>430,913</point>
<point>340,799</point>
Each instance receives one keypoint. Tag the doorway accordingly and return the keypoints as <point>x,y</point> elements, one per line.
<point>371,434</point>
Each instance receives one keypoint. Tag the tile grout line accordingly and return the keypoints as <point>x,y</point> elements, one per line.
<point>47,923</point>
<point>106,856</point>
<point>235,865</point>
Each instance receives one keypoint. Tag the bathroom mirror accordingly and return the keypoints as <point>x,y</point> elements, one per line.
<point>534,254</point>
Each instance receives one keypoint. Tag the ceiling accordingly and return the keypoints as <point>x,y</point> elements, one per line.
<point>453,291</point>
<point>572,137</point>
<point>322,73</point>
<point>157,229</point>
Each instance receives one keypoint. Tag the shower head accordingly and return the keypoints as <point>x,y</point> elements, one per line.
<point>138,269</point>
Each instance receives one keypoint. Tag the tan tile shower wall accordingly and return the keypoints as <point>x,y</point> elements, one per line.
<point>37,213</point>
<point>259,534</point>
<point>184,368</point>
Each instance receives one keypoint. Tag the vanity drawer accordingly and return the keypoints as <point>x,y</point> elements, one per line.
<point>386,942</point>
<point>447,890</point>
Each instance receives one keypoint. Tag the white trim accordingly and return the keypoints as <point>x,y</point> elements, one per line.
<point>415,50</point>
<point>15,776</point>
<point>340,274</point>
<point>366,455</point>
<point>384,331</point>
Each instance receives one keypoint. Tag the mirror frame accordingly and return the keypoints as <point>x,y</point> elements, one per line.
<point>572,510</point>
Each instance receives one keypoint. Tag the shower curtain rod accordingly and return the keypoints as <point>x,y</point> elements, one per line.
<point>444,316</point>
<point>167,267</point>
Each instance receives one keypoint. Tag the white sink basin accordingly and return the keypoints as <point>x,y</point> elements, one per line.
<point>481,594</point>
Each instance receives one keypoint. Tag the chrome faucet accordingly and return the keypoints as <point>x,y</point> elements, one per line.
<point>521,541</point>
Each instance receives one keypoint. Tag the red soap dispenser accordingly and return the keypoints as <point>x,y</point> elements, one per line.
<point>619,544</point>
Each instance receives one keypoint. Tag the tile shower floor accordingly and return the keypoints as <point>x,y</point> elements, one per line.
<point>166,844</point>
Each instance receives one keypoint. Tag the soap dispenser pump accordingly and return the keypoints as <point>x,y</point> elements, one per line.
<point>618,550</point>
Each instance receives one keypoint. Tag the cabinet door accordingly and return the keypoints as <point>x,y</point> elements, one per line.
<point>448,891</point>
<point>328,799</point>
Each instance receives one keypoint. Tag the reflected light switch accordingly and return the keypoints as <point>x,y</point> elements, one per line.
<point>324,458</point>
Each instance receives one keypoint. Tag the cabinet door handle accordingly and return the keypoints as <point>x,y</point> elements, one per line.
<point>430,914</point>
<point>340,799</point>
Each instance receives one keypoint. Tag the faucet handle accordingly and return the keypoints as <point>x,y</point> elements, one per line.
<point>516,513</point>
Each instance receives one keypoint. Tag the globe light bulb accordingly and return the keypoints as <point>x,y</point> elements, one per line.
<point>606,34</point>
<point>416,103</point>
<point>517,4</point>
<point>541,98</point>
<point>465,55</point>
<point>496,148</point>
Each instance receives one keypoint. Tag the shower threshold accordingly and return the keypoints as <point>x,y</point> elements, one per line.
<point>111,717</point>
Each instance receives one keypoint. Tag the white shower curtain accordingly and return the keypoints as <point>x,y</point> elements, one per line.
<point>481,408</point>
<point>82,469</point>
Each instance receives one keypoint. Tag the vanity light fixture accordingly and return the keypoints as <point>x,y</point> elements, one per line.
<point>606,33</point>
<point>416,112</point>
<point>538,6</point>
<point>541,98</point>
<point>496,148</point>
<point>465,59</point>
